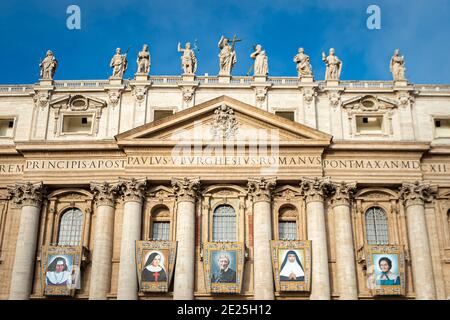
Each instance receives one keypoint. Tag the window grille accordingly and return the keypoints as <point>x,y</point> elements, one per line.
<point>224,224</point>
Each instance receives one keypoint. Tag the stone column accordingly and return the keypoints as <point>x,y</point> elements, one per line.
<point>105,197</point>
<point>314,192</point>
<point>261,189</point>
<point>133,194</point>
<point>345,253</point>
<point>186,193</point>
<point>29,196</point>
<point>414,196</point>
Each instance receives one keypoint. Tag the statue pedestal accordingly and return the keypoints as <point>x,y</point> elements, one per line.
<point>224,78</point>
<point>46,82</point>
<point>141,77</point>
<point>259,78</point>
<point>115,81</point>
<point>400,83</point>
<point>307,79</point>
<point>186,77</point>
<point>332,83</point>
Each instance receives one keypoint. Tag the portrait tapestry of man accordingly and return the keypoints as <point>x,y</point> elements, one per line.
<point>154,269</point>
<point>291,268</point>
<point>59,270</point>
<point>224,267</point>
<point>386,270</point>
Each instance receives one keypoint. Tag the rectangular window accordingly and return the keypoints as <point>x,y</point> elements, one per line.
<point>77,124</point>
<point>442,128</point>
<point>160,231</point>
<point>287,230</point>
<point>159,114</point>
<point>290,115</point>
<point>369,124</point>
<point>6,127</point>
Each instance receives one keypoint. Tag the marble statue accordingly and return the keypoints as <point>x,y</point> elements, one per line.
<point>397,66</point>
<point>334,66</point>
<point>48,66</point>
<point>119,64</point>
<point>143,60</point>
<point>302,60</point>
<point>227,55</point>
<point>261,65</point>
<point>188,59</point>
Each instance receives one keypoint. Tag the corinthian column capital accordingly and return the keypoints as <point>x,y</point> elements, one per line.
<point>133,189</point>
<point>186,189</point>
<point>105,193</point>
<point>315,190</point>
<point>342,193</point>
<point>261,188</point>
<point>417,193</point>
<point>27,194</point>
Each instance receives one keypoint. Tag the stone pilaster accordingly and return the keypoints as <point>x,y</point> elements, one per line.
<point>314,192</point>
<point>414,196</point>
<point>261,191</point>
<point>133,192</point>
<point>29,196</point>
<point>345,253</point>
<point>105,195</point>
<point>185,191</point>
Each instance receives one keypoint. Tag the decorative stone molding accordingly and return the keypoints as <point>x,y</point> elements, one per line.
<point>335,98</point>
<point>27,194</point>
<point>261,188</point>
<point>342,193</point>
<point>188,94</point>
<point>404,99</point>
<point>105,193</point>
<point>315,190</point>
<point>133,189</point>
<point>417,193</point>
<point>261,94</point>
<point>139,93</point>
<point>225,125</point>
<point>186,189</point>
<point>41,99</point>
<point>308,95</point>
<point>114,98</point>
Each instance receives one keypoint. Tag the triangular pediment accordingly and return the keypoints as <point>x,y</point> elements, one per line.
<point>223,120</point>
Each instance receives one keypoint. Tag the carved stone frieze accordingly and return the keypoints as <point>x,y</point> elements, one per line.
<point>225,125</point>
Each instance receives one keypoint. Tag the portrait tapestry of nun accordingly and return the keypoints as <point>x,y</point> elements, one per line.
<point>154,270</point>
<point>58,273</point>
<point>292,269</point>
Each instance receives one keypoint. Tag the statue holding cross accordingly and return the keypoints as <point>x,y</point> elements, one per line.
<point>227,55</point>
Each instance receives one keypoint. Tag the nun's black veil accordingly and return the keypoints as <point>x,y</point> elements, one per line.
<point>296,258</point>
<point>151,258</point>
<point>52,266</point>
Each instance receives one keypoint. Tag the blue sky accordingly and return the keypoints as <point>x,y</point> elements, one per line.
<point>419,28</point>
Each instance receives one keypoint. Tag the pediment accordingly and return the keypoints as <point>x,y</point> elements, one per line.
<point>223,120</point>
<point>369,103</point>
<point>77,102</point>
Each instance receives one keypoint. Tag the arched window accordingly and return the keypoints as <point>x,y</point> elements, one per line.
<point>224,224</point>
<point>71,227</point>
<point>161,224</point>
<point>376,226</point>
<point>287,223</point>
